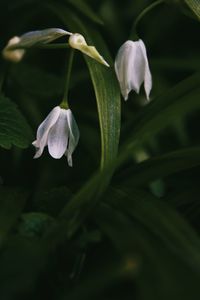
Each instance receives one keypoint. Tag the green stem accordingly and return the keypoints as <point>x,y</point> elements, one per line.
<point>64,103</point>
<point>54,46</point>
<point>134,34</point>
<point>44,46</point>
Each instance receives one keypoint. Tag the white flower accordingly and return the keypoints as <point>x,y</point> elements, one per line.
<point>60,132</point>
<point>77,41</point>
<point>30,39</point>
<point>13,55</point>
<point>132,68</point>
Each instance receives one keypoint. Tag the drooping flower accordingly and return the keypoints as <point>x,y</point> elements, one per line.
<point>132,68</point>
<point>77,41</point>
<point>13,55</point>
<point>59,132</point>
<point>15,49</point>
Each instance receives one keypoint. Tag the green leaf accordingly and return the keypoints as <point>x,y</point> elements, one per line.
<point>12,201</point>
<point>86,10</point>
<point>104,82</point>
<point>34,224</point>
<point>155,262</point>
<point>36,81</point>
<point>190,8</point>
<point>161,220</point>
<point>14,130</point>
<point>194,5</point>
<point>167,109</point>
<point>51,201</point>
<point>160,166</point>
<point>78,208</point>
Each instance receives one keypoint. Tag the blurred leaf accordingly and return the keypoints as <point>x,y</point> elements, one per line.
<point>160,166</point>
<point>173,230</point>
<point>190,8</point>
<point>12,201</point>
<point>34,224</point>
<point>167,109</point>
<point>84,8</point>
<point>104,82</point>
<point>51,201</point>
<point>21,262</point>
<point>97,282</point>
<point>36,81</point>
<point>162,273</point>
<point>14,130</point>
<point>194,5</point>
<point>79,207</point>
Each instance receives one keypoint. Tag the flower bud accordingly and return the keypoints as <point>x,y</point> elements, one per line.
<point>30,39</point>
<point>77,41</point>
<point>13,55</point>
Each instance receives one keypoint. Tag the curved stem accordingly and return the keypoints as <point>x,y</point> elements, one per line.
<point>44,46</point>
<point>141,15</point>
<point>64,103</point>
<point>54,46</point>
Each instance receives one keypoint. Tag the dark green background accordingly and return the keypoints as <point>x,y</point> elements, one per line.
<point>75,233</point>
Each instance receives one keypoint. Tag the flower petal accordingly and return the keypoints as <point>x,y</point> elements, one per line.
<point>77,41</point>
<point>41,36</point>
<point>43,130</point>
<point>132,68</point>
<point>73,136</point>
<point>29,39</point>
<point>147,72</point>
<point>136,67</point>
<point>58,136</point>
<point>13,55</point>
<point>122,69</point>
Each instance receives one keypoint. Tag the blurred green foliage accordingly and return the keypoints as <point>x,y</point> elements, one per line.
<point>123,223</point>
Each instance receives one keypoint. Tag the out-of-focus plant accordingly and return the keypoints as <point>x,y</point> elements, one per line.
<point>123,222</point>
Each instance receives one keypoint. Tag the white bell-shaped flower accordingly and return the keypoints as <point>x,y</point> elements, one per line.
<point>15,49</point>
<point>77,41</point>
<point>59,132</point>
<point>132,68</point>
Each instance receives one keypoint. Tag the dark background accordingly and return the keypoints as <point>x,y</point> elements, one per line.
<point>144,263</point>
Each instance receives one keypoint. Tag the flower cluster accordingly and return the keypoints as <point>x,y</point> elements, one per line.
<point>59,130</point>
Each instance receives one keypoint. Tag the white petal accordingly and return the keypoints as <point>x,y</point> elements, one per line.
<point>77,41</point>
<point>122,62</point>
<point>42,36</point>
<point>13,55</point>
<point>30,39</point>
<point>58,136</point>
<point>73,136</point>
<point>132,68</point>
<point>43,130</point>
<point>136,67</point>
<point>147,73</point>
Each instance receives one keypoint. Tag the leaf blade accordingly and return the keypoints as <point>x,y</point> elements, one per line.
<point>14,130</point>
